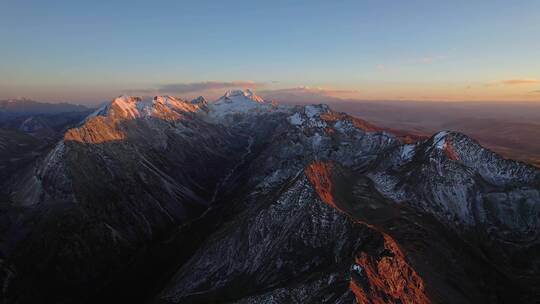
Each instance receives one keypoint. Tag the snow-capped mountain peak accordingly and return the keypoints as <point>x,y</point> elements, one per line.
<point>131,107</point>
<point>237,95</point>
<point>236,102</point>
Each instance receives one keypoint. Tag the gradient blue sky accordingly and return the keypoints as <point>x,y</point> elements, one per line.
<point>89,51</point>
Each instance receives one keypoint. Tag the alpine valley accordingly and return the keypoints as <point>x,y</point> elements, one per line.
<point>242,200</point>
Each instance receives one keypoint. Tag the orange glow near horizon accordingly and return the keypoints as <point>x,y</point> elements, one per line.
<point>511,90</point>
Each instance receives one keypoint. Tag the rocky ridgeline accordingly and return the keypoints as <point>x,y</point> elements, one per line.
<point>246,201</point>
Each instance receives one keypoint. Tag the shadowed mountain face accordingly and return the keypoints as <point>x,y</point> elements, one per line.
<point>164,200</point>
<point>17,107</point>
<point>28,129</point>
<point>41,120</point>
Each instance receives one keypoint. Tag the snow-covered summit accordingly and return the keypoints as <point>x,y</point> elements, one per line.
<point>240,95</point>
<point>239,102</point>
<point>131,107</point>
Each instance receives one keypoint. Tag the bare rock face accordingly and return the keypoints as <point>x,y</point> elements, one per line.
<point>289,237</point>
<point>244,201</point>
<point>381,274</point>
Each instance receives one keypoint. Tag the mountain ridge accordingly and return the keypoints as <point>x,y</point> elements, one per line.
<point>24,105</point>
<point>271,201</point>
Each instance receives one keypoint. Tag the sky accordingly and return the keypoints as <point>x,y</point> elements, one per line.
<point>90,51</point>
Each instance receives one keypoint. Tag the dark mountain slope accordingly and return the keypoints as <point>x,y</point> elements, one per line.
<point>173,201</point>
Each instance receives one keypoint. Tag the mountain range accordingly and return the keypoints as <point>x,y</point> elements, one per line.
<point>21,106</point>
<point>240,200</point>
<point>505,128</point>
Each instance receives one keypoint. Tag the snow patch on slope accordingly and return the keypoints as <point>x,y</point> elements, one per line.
<point>296,119</point>
<point>312,111</point>
<point>439,139</point>
<point>309,116</point>
<point>101,111</point>
<point>407,151</point>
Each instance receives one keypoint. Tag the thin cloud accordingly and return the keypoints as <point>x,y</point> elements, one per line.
<point>142,91</point>
<point>520,81</point>
<point>192,87</point>
<point>183,88</point>
<point>308,95</point>
<point>318,90</point>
